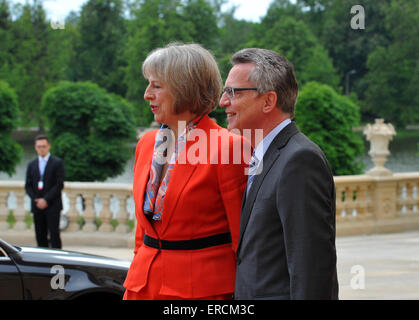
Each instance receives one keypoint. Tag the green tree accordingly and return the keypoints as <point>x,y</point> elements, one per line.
<point>327,118</point>
<point>349,48</point>
<point>314,12</point>
<point>6,58</point>
<point>234,34</point>
<point>294,40</point>
<point>155,24</point>
<point>91,130</point>
<point>202,15</point>
<point>99,45</point>
<point>279,9</point>
<point>61,49</point>
<point>393,76</point>
<point>10,151</point>
<point>34,66</point>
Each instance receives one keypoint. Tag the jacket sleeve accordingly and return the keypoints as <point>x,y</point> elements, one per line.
<point>29,182</point>
<point>139,232</point>
<point>232,183</point>
<point>305,202</point>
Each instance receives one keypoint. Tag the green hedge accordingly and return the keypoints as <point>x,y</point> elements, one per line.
<point>91,130</point>
<point>10,150</point>
<point>327,118</point>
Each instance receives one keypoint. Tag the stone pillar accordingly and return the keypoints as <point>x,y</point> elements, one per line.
<point>379,134</point>
<point>106,214</point>
<point>123,218</point>
<point>385,208</point>
<point>385,197</point>
<point>89,214</point>
<point>385,192</point>
<point>20,213</point>
<point>72,213</point>
<point>4,210</point>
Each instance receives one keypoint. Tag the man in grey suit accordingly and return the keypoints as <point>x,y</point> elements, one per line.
<point>286,246</point>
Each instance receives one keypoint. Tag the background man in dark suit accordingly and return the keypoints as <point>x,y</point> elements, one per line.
<point>44,182</point>
<point>286,246</point>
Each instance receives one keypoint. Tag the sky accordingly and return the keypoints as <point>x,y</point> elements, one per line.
<point>251,10</point>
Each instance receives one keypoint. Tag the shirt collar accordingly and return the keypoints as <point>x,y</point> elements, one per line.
<point>263,146</point>
<point>46,158</point>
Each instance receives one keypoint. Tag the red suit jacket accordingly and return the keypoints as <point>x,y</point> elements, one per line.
<point>202,199</point>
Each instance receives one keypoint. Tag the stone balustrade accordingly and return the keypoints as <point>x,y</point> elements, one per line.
<point>93,213</point>
<point>103,213</point>
<point>369,204</point>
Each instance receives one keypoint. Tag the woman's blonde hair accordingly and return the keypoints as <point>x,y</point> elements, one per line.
<point>191,73</point>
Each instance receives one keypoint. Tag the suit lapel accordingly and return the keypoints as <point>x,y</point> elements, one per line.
<point>249,200</point>
<point>47,168</point>
<point>142,173</point>
<point>269,159</point>
<point>36,174</point>
<point>181,175</point>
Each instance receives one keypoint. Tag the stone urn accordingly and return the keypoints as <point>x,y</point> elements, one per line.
<point>379,134</point>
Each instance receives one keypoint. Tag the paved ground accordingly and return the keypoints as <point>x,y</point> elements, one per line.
<point>384,266</point>
<point>390,263</point>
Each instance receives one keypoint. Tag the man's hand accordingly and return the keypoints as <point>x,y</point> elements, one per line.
<point>41,203</point>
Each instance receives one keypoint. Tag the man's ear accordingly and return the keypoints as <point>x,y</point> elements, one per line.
<point>270,101</point>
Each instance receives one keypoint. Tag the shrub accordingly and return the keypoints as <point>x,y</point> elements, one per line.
<point>327,118</point>
<point>10,151</point>
<point>90,129</point>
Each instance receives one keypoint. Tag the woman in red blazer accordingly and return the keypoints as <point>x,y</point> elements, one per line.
<point>189,178</point>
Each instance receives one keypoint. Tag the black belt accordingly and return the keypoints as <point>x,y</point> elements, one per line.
<point>194,244</point>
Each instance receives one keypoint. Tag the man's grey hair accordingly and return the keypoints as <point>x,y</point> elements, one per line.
<point>272,72</point>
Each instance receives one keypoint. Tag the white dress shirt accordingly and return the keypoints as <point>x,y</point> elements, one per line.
<point>42,162</point>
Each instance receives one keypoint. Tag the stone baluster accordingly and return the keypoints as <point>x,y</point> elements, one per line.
<point>353,201</point>
<point>361,200</point>
<point>344,196</point>
<point>339,202</point>
<point>360,203</point>
<point>409,198</point>
<point>72,213</point>
<point>20,213</point>
<point>415,198</point>
<point>106,214</point>
<point>89,213</point>
<point>123,216</point>
<point>4,210</point>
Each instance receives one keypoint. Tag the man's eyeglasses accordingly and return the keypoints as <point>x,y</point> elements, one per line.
<point>231,91</point>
